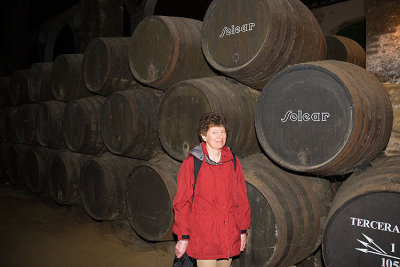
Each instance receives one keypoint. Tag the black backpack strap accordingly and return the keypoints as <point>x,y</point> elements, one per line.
<point>234,161</point>
<point>197,165</point>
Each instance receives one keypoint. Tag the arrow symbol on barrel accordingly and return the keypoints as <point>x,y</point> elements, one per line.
<point>368,246</point>
<point>365,250</point>
<point>371,241</point>
<point>375,250</point>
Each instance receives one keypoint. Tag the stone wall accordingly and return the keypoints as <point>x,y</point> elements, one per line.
<point>383,39</point>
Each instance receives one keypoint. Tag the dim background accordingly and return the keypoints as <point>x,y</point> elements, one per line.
<point>37,31</point>
<point>34,31</point>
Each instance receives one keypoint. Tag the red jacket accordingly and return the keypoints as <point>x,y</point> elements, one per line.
<point>220,210</point>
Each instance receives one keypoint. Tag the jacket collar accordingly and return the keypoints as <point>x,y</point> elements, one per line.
<point>200,152</point>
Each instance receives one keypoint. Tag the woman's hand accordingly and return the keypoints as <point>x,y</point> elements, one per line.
<point>181,247</point>
<point>243,240</point>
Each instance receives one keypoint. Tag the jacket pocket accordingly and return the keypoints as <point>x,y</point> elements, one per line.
<point>234,213</point>
<point>201,205</point>
<point>204,236</point>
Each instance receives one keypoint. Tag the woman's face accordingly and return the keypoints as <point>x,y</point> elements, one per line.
<point>215,137</point>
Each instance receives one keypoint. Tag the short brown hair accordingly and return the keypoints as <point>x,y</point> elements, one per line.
<point>209,120</point>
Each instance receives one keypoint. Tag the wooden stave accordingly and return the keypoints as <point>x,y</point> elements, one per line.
<point>219,94</point>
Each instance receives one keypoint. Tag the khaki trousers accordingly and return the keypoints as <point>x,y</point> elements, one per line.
<point>214,263</point>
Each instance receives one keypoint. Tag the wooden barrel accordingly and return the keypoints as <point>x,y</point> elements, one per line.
<point>101,186</point>
<point>5,87</point>
<point>251,43</point>
<point>184,103</point>
<point>166,50</point>
<point>363,223</point>
<point>106,65</point>
<point>26,123</point>
<point>19,87</point>
<point>149,192</point>
<point>324,117</point>
<point>66,78</point>
<point>345,49</point>
<point>39,89</point>
<point>129,123</point>
<point>81,125</point>
<point>315,260</point>
<point>49,128</point>
<point>34,171</point>
<point>14,163</point>
<point>9,124</point>
<point>63,176</point>
<point>287,214</point>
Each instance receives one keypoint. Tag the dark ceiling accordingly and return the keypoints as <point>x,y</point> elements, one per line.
<point>21,20</point>
<point>42,10</point>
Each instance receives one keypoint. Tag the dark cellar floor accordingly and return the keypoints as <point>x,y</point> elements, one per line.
<point>35,231</point>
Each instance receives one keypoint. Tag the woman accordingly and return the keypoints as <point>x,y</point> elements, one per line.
<point>214,227</point>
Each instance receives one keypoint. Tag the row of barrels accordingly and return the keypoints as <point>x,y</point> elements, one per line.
<point>288,209</point>
<point>329,118</point>
<point>351,125</point>
<point>298,227</point>
<point>104,68</point>
<point>292,214</point>
<point>165,50</point>
<point>127,121</point>
<point>109,65</point>
<point>299,221</point>
<point>183,53</point>
<point>299,234</point>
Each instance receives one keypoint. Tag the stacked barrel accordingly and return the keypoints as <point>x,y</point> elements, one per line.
<point>107,129</point>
